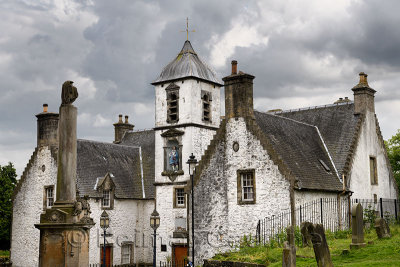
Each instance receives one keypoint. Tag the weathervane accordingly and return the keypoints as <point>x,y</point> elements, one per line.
<point>187,29</point>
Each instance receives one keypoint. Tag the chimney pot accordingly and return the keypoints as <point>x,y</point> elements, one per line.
<point>126,119</point>
<point>363,78</point>
<point>120,118</point>
<point>234,67</point>
<point>45,106</point>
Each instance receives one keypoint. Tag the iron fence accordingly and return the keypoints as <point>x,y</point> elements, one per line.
<point>333,213</point>
<point>181,263</point>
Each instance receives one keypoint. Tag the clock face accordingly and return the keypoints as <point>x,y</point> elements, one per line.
<point>235,146</point>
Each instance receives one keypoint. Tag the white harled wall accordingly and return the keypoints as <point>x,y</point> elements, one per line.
<point>194,140</point>
<point>27,207</point>
<point>368,145</point>
<point>219,219</point>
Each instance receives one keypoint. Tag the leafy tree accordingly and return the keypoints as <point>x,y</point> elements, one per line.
<point>8,181</point>
<point>393,150</point>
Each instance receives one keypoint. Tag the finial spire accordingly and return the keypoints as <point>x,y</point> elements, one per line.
<point>187,29</point>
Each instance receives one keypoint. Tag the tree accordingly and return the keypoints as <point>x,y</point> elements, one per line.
<point>8,181</point>
<point>393,150</point>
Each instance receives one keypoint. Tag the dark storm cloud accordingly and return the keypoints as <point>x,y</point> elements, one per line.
<point>113,50</point>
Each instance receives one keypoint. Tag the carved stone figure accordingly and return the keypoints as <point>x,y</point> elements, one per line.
<point>174,159</point>
<point>69,93</point>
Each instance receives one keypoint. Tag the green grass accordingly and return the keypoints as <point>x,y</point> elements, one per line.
<point>4,253</point>
<point>384,252</point>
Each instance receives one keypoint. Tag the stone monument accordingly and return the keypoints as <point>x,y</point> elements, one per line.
<point>289,249</point>
<point>382,228</point>
<point>357,227</point>
<point>64,229</point>
<point>305,234</point>
<point>321,248</point>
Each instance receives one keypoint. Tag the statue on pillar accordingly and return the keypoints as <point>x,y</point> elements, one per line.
<point>64,229</point>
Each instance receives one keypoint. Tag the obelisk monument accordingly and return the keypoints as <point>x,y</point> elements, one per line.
<point>64,229</point>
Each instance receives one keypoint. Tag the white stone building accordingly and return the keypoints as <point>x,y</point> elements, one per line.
<point>247,163</point>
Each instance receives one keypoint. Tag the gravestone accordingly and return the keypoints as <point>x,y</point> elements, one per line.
<point>320,246</point>
<point>382,228</point>
<point>289,249</point>
<point>357,227</point>
<point>305,234</point>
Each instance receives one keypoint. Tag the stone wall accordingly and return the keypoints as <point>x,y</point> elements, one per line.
<point>129,222</point>
<point>190,103</point>
<point>370,144</point>
<point>28,205</point>
<point>214,263</point>
<point>216,192</point>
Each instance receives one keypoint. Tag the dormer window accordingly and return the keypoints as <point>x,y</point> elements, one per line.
<point>206,98</point>
<point>106,203</point>
<point>106,187</point>
<point>172,103</point>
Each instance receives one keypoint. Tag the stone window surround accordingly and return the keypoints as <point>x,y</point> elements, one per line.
<point>240,200</point>
<point>175,200</point>
<point>130,246</point>
<point>206,98</point>
<point>171,90</point>
<point>45,196</point>
<point>373,169</point>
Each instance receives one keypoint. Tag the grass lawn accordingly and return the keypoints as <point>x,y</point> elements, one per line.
<point>384,252</point>
<point>4,253</point>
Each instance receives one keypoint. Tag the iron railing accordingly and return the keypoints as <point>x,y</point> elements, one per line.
<point>333,213</point>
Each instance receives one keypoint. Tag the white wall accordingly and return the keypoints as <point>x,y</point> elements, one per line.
<point>129,222</point>
<point>220,220</point>
<point>27,207</point>
<point>370,145</point>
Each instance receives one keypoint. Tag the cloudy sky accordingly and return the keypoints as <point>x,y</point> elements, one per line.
<point>303,53</point>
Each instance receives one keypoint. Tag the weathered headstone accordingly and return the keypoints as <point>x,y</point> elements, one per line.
<point>321,249</point>
<point>357,227</point>
<point>382,228</point>
<point>64,228</point>
<point>289,249</point>
<point>305,234</point>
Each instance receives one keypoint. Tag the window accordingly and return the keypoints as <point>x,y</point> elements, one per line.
<point>172,103</point>
<point>126,253</point>
<point>106,199</point>
<point>246,187</point>
<point>373,170</point>
<point>179,198</point>
<point>206,97</point>
<point>49,197</point>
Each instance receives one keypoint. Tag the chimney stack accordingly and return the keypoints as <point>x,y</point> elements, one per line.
<point>47,128</point>
<point>121,128</point>
<point>238,94</point>
<point>363,96</point>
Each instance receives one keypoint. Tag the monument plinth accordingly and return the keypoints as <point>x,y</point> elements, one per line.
<point>64,229</point>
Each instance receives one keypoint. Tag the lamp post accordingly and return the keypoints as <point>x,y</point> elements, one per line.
<point>154,223</point>
<point>104,224</point>
<point>192,161</point>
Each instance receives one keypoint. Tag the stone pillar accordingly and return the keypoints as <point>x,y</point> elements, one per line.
<point>357,227</point>
<point>66,173</point>
<point>64,229</point>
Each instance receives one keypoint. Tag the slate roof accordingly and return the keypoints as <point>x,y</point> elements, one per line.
<point>146,140</point>
<point>96,159</point>
<point>337,124</point>
<point>187,64</point>
<point>301,149</point>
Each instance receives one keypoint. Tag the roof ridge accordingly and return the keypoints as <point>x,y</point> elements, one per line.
<point>311,107</point>
<point>106,143</point>
<point>280,117</point>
